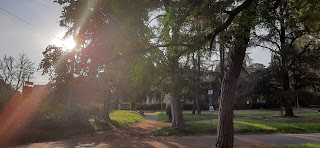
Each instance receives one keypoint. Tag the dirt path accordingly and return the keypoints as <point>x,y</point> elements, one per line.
<point>138,137</point>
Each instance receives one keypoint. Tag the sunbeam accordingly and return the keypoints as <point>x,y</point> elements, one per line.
<point>18,112</point>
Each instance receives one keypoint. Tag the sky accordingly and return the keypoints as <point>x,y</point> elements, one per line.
<point>17,36</point>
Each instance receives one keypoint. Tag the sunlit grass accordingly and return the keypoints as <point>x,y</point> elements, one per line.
<point>243,127</point>
<point>247,122</point>
<point>297,146</point>
<point>126,118</point>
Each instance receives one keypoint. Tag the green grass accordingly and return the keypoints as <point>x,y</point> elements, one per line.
<point>297,146</point>
<point>126,118</point>
<point>246,122</point>
<point>162,116</point>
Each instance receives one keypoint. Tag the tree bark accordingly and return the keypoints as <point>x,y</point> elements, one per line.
<point>198,85</point>
<point>194,106</point>
<point>225,118</point>
<point>107,106</point>
<point>288,109</point>
<point>198,105</point>
<point>176,108</point>
<point>284,61</point>
<point>222,58</point>
<point>176,111</point>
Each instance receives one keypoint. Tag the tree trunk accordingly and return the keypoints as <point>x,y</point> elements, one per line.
<point>198,106</point>
<point>176,111</point>
<point>198,85</point>
<point>107,106</point>
<point>289,110</point>
<point>286,99</point>
<point>225,118</point>
<point>176,108</point>
<point>194,106</point>
<point>222,58</point>
<point>284,61</point>
<point>132,104</point>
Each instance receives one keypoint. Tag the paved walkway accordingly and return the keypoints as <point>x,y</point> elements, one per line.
<point>138,137</point>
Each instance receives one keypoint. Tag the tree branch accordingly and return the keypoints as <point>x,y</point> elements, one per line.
<point>276,5</point>
<point>155,18</point>
<point>232,15</point>
<point>305,49</point>
<point>272,50</point>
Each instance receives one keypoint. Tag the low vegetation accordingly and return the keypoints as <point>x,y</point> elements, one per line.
<point>52,130</point>
<point>126,118</point>
<point>298,146</point>
<point>247,122</point>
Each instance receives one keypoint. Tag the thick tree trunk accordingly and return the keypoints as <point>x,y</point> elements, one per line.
<point>286,99</point>
<point>194,106</point>
<point>176,108</point>
<point>284,61</point>
<point>225,119</point>
<point>222,58</point>
<point>289,110</point>
<point>176,111</point>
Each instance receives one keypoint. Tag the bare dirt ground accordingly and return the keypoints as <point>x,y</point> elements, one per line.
<point>138,137</point>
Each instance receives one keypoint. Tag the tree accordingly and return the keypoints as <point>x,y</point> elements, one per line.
<point>58,64</point>
<point>286,23</point>
<point>202,11</point>
<point>15,72</point>
<point>228,87</point>
<point>109,36</point>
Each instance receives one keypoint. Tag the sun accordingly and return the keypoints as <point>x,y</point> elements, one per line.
<point>68,44</point>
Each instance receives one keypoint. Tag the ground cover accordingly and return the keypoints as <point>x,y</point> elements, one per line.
<point>54,131</point>
<point>247,122</point>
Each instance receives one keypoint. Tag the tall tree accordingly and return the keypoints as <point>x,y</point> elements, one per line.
<point>108,34</point>
<point>228,87</point>
<point>287,22</point>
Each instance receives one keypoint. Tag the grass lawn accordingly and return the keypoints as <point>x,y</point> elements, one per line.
<point>297,146</point>
<point>247,122</point>
<point>126,118</point>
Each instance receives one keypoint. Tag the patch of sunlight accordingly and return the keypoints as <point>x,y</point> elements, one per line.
<point>260,126</point>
